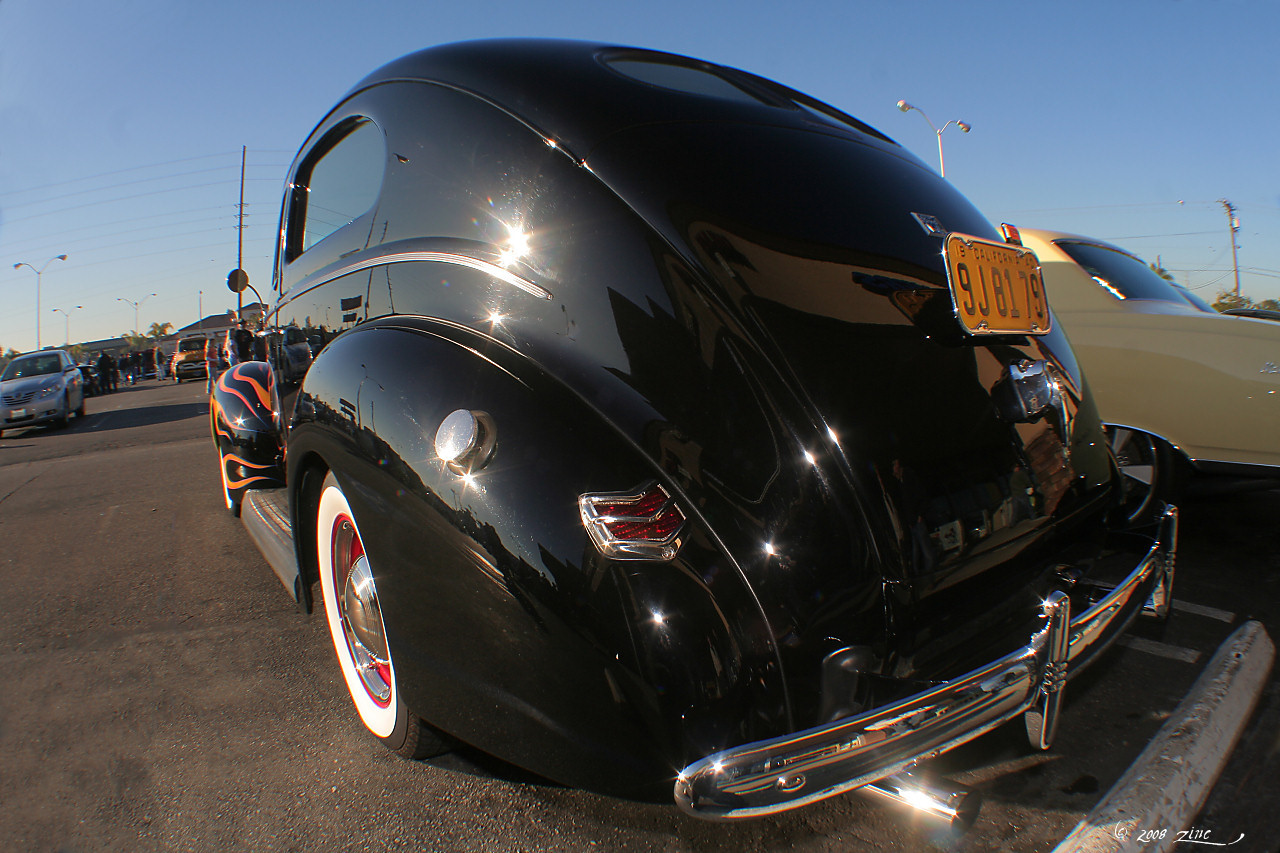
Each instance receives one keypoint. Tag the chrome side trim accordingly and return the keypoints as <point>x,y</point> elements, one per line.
<point>785,772</point>
<point>265,514</point>
<point>498,272</point>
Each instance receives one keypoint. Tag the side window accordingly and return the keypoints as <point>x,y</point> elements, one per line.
<point>338,187</point>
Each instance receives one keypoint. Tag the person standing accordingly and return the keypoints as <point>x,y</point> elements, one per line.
<point>106,365</point>
<point>212,360</point>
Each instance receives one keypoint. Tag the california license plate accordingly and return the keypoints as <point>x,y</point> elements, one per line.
<point>996,287</point>
<point>14,414</point>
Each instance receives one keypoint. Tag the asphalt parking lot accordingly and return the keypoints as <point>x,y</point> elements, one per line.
<point>162,692</point>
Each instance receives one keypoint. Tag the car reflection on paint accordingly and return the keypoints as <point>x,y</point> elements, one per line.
<point>40,387</point>
<point>644,447</point>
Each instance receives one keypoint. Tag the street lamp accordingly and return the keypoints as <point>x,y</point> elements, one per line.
<point>135,308</point>
<point>38,272</point>
<point>965,127</point>
<point>67,316</point>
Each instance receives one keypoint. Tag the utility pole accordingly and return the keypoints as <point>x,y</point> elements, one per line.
<point>240,239</point>
<point>1234,226</point>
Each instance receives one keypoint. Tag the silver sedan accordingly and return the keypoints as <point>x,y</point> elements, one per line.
<point>40,387</point>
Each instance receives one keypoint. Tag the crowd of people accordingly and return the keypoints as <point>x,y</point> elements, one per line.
<point>134,366</point>
<point>130,367</point>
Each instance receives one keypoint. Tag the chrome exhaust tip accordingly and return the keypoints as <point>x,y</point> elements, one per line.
<point>944,804</point>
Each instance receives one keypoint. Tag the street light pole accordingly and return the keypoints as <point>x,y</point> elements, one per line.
<point>965,127</point>
<point>38,272</point>
<point>67,316</point>
<point>135,308</point>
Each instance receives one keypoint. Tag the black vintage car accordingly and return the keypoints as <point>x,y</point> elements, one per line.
<point>671,429</point>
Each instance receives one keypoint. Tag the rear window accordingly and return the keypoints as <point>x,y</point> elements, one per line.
<point>681,78</point>
<point>708,82</point>
<point>1121,274</point>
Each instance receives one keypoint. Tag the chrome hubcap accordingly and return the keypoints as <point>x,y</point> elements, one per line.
<point>363,617</point>
<point>358,607</point>
<point>1134,454</point>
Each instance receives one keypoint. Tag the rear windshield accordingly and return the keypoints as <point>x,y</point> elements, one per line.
<point>1122,275</point>
<point>695,79</point>
<point>681,78</point>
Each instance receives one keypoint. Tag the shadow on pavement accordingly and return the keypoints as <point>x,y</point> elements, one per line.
<point>144,416</point>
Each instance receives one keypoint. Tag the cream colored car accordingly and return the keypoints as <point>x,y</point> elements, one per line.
<point>1185,390</point>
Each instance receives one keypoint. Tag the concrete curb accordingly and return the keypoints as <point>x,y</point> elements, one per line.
<point>1164,789</point>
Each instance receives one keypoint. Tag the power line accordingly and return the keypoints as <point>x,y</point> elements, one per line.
<point>133,169</point>
<point>118,200</point>
<point>22,248</point>
<point>1157,236</point>
<point>1106,206</point>
<point>108,187</point>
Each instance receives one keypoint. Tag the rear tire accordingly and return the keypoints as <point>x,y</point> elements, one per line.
<point>354,617</point>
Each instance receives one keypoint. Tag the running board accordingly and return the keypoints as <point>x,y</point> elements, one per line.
<point>265,513</point>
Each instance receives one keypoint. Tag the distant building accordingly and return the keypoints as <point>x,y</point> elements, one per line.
<point>220,324</point>
<point>93,349</point>
<point>214,325</point>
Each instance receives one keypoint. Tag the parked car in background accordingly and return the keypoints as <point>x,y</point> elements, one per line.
<point>1255,313</point>
<point>188,359</point>
<point>660,436</point>
<point>1186,391</point>
<point>40,387</point>
<point>89,376</point>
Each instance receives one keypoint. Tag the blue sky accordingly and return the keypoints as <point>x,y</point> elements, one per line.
<point>121,124</point>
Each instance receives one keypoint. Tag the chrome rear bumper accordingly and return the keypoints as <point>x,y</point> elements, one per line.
<point>782,773</point>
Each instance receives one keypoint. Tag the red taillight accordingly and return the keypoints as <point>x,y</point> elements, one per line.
<point>644,524</point>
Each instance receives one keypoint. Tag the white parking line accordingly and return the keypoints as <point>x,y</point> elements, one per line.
<point>1202,610</point>
<point>1164,650</point>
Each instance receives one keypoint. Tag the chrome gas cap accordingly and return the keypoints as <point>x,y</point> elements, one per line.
<point>457,435</point>
<point>465,440</point>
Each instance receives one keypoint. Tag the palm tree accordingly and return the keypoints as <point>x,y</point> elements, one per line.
<point>159,330</point>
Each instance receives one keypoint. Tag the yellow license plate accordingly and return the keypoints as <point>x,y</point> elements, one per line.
<point>997,288</point>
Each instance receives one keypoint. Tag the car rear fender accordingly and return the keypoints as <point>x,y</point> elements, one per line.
<point>508,627</point>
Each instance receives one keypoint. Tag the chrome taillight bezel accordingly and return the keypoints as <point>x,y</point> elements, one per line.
<point>600,514</point>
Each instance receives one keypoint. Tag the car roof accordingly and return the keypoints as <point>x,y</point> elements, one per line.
<point>574,94</point>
